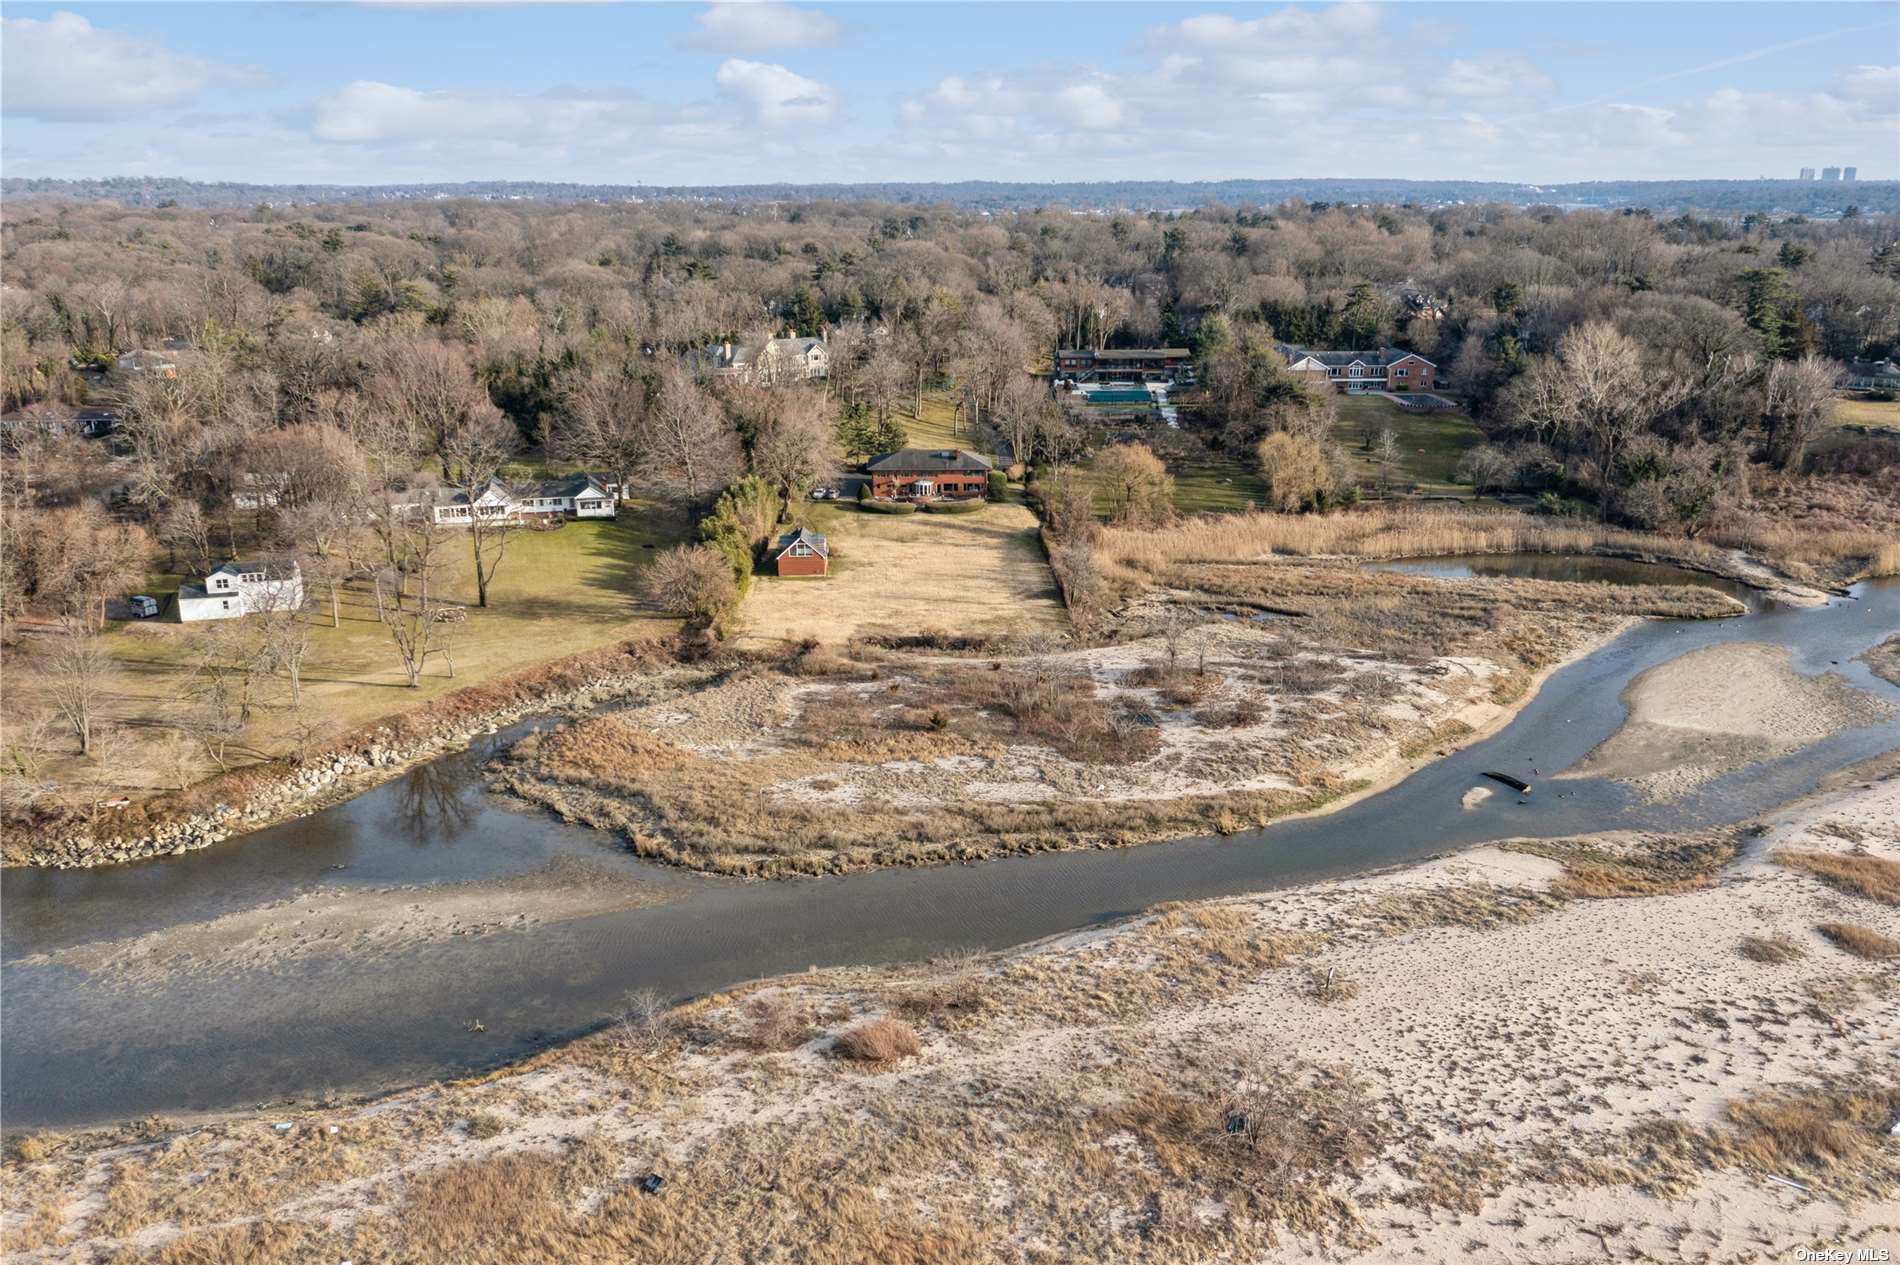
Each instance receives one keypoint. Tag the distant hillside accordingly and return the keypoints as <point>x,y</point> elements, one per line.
<point>1807,197</point>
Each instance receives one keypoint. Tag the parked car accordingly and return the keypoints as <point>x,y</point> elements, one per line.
<point>144,607</point>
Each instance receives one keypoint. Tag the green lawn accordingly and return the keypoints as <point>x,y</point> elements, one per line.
<point>940,427</point>
<point>1430,444</point>
<point>1875,415</point>
<point>1215,484</point>
<point>556,593</point>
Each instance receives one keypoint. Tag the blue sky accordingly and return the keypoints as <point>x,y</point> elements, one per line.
<point>735,93</point>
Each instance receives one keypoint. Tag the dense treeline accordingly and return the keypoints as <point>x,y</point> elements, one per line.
<point>1729,196</point>
<point>331,366</point>
<point>337,353</point>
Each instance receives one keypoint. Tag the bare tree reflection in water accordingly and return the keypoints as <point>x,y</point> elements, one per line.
<point>436,801</point>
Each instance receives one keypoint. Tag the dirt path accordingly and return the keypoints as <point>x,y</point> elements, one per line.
<point>1720,709</point>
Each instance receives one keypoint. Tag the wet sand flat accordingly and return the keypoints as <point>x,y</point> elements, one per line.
<point>1720,709</point>
<point>343,921</point>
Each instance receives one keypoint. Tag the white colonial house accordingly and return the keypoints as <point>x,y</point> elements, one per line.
<point>572,496</point>
<point>794,360</point>
<point>237,589</point>
<point>776,360</point>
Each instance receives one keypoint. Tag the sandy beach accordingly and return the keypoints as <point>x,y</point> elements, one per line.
<point>1470,1059</point>
<point>1720,709</point>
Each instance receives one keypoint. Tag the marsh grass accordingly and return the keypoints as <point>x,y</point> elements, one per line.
<point>1856,873</point>
<point>878,1041</point>
<point>1862,942</point>
<point>1658,866</point>
<point>1771,949</point>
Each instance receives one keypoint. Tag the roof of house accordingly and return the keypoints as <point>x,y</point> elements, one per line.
<point>1140,353</point>
<point>1339,359</point>
<point>796,346</point>
<point>926,461</point>
<point>813,539</point>
<point>438,494</point>
<point>278,567</point>
<point>571,485</point>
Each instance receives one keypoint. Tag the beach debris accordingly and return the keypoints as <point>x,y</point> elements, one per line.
<point>332,1130</point>
<point>283,1128</point>
<point>1237,1122</point>
<point>475,1025</point>
<point>1786,1181</point>
<point>651,1183</point>
<point>1515,783</point>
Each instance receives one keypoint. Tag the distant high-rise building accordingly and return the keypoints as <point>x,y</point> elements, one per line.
<point>1850,173</point>
<point>1807,173</point>
<point>1830,173</point>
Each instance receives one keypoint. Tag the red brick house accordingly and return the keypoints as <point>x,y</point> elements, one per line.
<point>801,552</point>
<point>928,474</point>
<point>1356,372</point>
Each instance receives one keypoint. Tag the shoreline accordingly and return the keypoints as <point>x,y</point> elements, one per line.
<point>380,753</point>
<point>1171,987</point>
<point>1394,769</point>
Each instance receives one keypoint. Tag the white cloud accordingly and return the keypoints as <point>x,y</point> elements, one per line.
<point>66,70</point>
<point>778,97</point>
<point>1090,105</point>
<point>1501,76</point>
<point>1878,87</point>
<point>366,112</point>
<point>761,27</point>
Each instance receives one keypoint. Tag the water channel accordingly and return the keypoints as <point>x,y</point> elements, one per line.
<point>78,1049</point>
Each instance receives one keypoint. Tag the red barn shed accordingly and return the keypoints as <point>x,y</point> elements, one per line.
<point>801,552</point>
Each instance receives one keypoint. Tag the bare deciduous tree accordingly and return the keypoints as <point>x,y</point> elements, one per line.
<point>473,451</point>
<point>78,676</point>
<point>1800,404</point>
<point>689,435</point>
<point>690,580</point>
<point>413,544</point>
<point>603,422</point>
<point>1137,486</point>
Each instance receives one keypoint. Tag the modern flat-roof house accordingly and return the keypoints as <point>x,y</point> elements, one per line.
<point>801,552</point>
<point>572,496</point>
<point>928,474</point>
<point>236,589</point>
<point>1150,364</point>
<point>1356,372</point>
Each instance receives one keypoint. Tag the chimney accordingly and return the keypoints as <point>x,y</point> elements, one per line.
<point>725,351</point>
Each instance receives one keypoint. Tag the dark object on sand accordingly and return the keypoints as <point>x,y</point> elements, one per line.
<point>1515,783</point>
<point>651,1183</point>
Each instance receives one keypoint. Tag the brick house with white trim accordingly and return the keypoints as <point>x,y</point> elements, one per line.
<point>1356,372</point>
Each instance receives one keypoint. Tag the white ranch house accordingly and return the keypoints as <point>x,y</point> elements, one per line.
<point>575,496</point>
<point>236,589</point>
